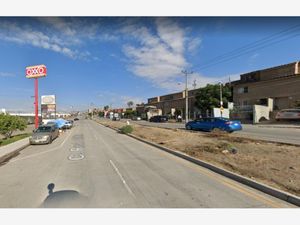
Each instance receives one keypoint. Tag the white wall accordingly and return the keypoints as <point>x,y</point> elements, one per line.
<point>225,113</point>
<point>260,111</point>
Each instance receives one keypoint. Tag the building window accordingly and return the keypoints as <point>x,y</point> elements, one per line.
<point>243,90</point>
<point>245,102</point>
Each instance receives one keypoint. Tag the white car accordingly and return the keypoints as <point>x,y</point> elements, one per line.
<point>288,114</point>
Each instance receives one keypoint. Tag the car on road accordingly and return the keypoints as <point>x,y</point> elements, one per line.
<point>158,119</point>
<point>44,134</point>
<point>288,114</point>
<point>210,124</point>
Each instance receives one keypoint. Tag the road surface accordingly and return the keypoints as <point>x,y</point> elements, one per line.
<point>94,166</point>
<point>289,135</point>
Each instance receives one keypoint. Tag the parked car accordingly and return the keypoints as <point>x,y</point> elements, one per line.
<point>116,118</point>
<point>75,119</point>
<point>54,123</point>
<point>288,114</point>
<point>210,124</point>
<point>68,124</point>
<point>136,118</point>
<point>158,119</point>
<point>44,134</point>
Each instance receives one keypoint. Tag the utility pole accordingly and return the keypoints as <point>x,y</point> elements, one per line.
<point>194,84</point>
<point>221,102</point>
<point>186,73</point>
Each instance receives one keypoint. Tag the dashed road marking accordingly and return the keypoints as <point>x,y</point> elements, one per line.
<point>122,179</point>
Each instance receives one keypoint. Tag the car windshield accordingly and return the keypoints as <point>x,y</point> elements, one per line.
<point>43,129</point>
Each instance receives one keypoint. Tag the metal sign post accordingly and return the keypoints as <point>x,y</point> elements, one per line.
<point>36,101</point>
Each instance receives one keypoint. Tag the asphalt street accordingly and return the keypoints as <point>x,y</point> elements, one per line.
<point>290,135</point>
<point>94,166</point>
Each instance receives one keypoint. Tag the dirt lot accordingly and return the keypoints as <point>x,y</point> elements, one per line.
<point>277,165</point>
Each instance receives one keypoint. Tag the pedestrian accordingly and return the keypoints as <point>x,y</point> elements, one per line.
<point>179,119</point>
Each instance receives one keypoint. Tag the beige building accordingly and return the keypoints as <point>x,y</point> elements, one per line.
<point>174,101</point>
<point>281,83</point>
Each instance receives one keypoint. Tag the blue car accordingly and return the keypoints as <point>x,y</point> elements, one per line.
<point>209,124</point>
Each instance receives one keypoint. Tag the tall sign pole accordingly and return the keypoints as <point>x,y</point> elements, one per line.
<point>36,101</point>
<point>36,72</point>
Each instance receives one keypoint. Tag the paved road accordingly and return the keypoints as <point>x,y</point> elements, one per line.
<point>94,166</point>
<point>289,135</point>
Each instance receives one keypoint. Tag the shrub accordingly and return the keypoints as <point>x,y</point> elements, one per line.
<point>126,129</point>
<point>9,124</point>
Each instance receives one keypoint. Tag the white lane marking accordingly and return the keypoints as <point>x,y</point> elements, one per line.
<point>74,157</point>
<point>74,149</point>
<point>41,153</point>
<point>121,177</point>
<point>91,128</point>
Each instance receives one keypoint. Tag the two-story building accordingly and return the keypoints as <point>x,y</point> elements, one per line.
<point>281,83</point>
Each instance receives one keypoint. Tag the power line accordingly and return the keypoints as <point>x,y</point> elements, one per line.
<point>247,52</point>
<point>254,46</point>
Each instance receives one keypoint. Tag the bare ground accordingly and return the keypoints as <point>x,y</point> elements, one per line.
<point>274,164</point>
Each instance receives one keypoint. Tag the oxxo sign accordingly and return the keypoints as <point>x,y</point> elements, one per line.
<point>36,71</point>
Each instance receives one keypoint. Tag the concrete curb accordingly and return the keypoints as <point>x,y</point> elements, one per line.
<point>13,152</point>
<point>244,180</point>
<point>270,126</point>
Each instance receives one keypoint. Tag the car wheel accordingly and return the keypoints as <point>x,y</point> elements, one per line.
<point>216,130</point>
<point>188,127</point>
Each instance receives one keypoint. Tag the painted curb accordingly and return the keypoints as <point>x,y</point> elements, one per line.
<point>8,156</point>
<point>241,179</point>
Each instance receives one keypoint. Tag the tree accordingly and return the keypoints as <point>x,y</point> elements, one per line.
<point>101,114</point>
<point>177,112</point>
<point>9,124</point>
<point>130,113</point>
<point>130,104</point>
<point>208,97</point>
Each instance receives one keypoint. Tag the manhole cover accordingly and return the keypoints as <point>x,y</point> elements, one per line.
<point>75,157</point>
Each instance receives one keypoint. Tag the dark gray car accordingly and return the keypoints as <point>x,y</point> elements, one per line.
<point>44,134</point>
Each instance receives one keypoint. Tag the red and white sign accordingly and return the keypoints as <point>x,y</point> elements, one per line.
<point>36,71</point>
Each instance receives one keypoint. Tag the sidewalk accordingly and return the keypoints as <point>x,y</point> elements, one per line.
<point>9,150</point>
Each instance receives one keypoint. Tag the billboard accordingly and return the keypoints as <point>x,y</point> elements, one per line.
<point>48,106</point>
<point>48,99</point>
<point>36,71</point>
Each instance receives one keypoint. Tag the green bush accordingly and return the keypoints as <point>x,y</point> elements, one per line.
<point>9,124</point>
<point>126,129</point>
